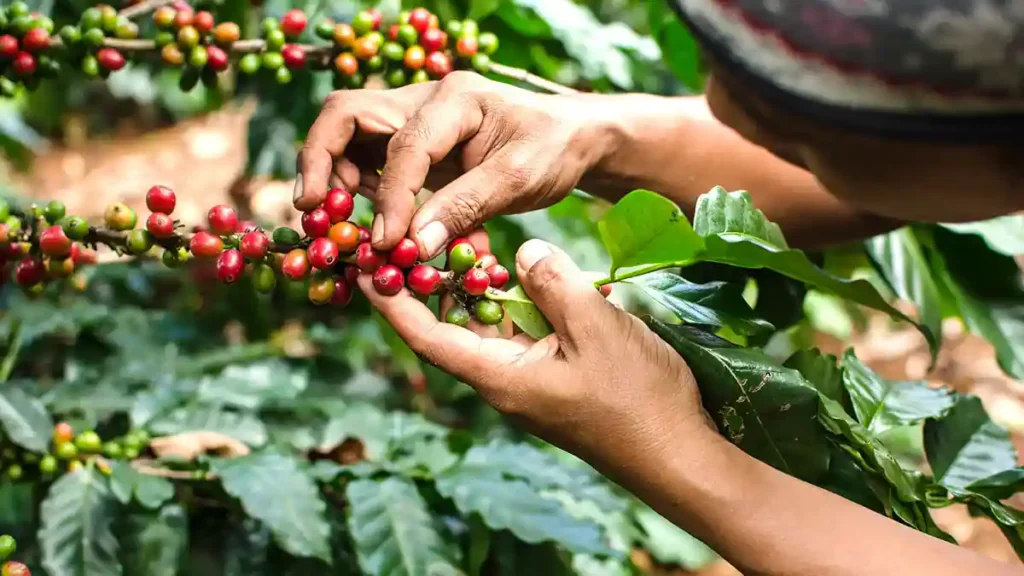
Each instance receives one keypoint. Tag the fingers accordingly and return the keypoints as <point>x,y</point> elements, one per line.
<point>426,139</point>
<point>560,290</point>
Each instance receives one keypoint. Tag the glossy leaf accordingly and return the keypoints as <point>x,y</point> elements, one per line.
<point>714,305</point>
<point>241,426</point>
<point>523,312</point>
<point>1000,485</point>
<point>768,411</point>
<point>821,371</point>
<point>881,404</point>
<point>1004,234</point>
<point>645,229</point>
<point>252,386</point>
<point>273,489</point>
<point>127,484</point>
<point>965,446</point>
<point>154,543</point>
<point>720,212</point>
<point>394,531</point>
<point>75,533</point>
<point>25,420</point>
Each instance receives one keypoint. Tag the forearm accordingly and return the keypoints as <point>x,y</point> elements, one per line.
<point>765,522</point>
<point>675,146</point>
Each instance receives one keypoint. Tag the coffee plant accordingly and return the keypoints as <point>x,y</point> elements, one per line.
<point>214,398</point>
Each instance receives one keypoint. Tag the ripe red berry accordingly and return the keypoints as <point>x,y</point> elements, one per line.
<point>229,266</point>
<point>63,432</point>
<point>254,245</point>
<point>405,254</point>
<point>432,40</point>
<point>110,59</point>
<point>338,204</point>
<point>161,199</point>
<point>438,65</point>
<point>388,280</point>
<point>160,225</point>
<point>222,219</point>
<point>184,17</point>
<point>29,272</point>
<point>13,568</point>
<point>345,235</point>
<point>475,282</point>
<point>293,22</point>
<point>294,56</point>
<point>342,292</point>
<point>467,46</point>
<point>295,264</point>
<point>8,46</point>
<point>205,245</point>
<point>364,234</point>
<point>419,18</point>
<point>352,274</point>
<point>216,59</point>
<point>368,259</point>
<point>393,32</point>
<point>606,290</point>
<point>485,261</point>
<point>498,275</point>
<point>24,64</point>
<point>316,223</point>
<point>322,253</point>
<point>376,17</point>
<point>246,226</point>
<point>203,21</point>
<point>424,279</point>
<point>36,40</point>
<point>53,242</point>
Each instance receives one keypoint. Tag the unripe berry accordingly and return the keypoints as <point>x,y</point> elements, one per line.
<point>321,289</point>
<point>264,279</point>
<point>216,59</point>
<point>322,253</point>
<point>388,280</point>
<point>119,217</point>
<point>343,35</point>
<point>455,242</point>
<point>172,55</point>
<point>113,450</point>
<point>438,65</point>
<point>481,63</point>
<point>203,21</point>
<point>205,245</point>
<point>139,241</point>
<point>110,59</point>
<point>8,46</point>
<point>404,254</point>
<point>488,43</point>
<point>174,258</point>
<point>8,546</point>
<point>88,442</point>
<point>316,223</point>
<point>67,450</point>
<point>227,33</point>
<point>15,569</point>
<point>470,28</point>
<point>286,236</point>
<point>198,57</point>
<point>324,29</point>
<point>419,18</point>
<point>467,46</point>
<point>230,264</point>
<point>29,272</point>
<point>250,63</point>
<point>376,17</point>
<point>362,23</point>
<point>293,22</point>
<point>338,204</point>
<point>346,64</point>
<point>407,35</point>
<point>222,219</point>
<point>54,242</point>
<point>475,282</point>
<point>462,257</point>
<point>295,264</point>
<point>184,18</point>
<point>94,38</point>
<point>59,268</point>
<point>63,432</point>
<point>76,227</point>
<point>393,51</point>
<point>489,312</point>
<point>415,57</point>
<point>254,245</point>
<point>294,56</point>
<point>36,40</point>
<point>275,40</point>
<point>24,64</point>
<point>424,279</point>
<point>368,259</point>
<point>163,17</point>
<point>457,315</point>
<point>498,274</point>
<point>365,48</point>
<point>48,465</point>
<point>345,235</point>
<point>161,199</point>
<point>188,37</point>
<point>75,466</point>
<point>160,225</point>
<point>432,40</point>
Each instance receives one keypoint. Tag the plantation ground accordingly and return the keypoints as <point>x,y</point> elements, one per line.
<point>203,160</point>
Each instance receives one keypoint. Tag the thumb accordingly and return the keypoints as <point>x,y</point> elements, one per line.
<point>560,289</point>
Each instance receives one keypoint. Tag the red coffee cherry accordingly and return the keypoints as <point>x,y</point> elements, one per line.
<point>322,253</point>
<point>222,219</point>
<point>161,199</point>
<point>424,279</point>
<point>293,22</point>
<point>438,65</point>
<point>24,64</point>
<point>376,17</point>
<point>246,226</point>
<point>405,254</point>
<point>53,242</point>
<point>432,40</point>
<point>8,46</point>
<point>352,274</point>
<point>498,274</point>
<point>467,46</point>
<point>160,225</point>
<point>475,282</point>
<point>345,235</point>
<point>13,568</point>
<point>485,261</point>
<point>316,223</point>
<point>29,272</point>
<point>184,17</point>
<point>388,280</point>
<point>205,245</point>
<point>216,59</point>
<point>606,290</point>
<point>364,234</point>
<point>338,204</point>
<point>230,264</point>
<point>63,432</point>
<point>368,259</point>
<point>254,245</point>
<point>419,18</point>
<point>294,56</point>
<point>110,59</point>
<point>295,264</point>
<point>342,292</point>
<point>203,21</point>
<point>36,40</point>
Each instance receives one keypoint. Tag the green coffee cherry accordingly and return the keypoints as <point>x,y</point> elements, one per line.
<point>275,40</point>
<point>488,43</point>
<point>285,236</point>
<point>94,37</point>
<point>113,450</point>
<point>457,315</point>
<point>269,25</point>
<point>419,77</point>
<point>283,75</point>
<point>89,442</point>
<point>396,78</point>
<point>15,472</point>
<point>481,63</point>
<point>140,241</point>
<point>489,312</point>
<point>264,279</point>
<point>198,57</point>
<point>8,547</point>
<point>91,18</point>
<point>462,258</point>
<point>48,465</point>
<point>273,60</point>
<point>90,66</point>
<point>249,64</point>
<point>54,211</point>
<point>70,35</point>
<point>18,9</point>
<point>5,210</point>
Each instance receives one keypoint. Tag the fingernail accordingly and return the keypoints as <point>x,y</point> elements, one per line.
<point>532,252</point>
<point>433,236</point>
<point>298,189</point>
<point>377,235</point>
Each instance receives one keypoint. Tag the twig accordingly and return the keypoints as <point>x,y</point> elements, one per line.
<point>145,467</point>
<point>531,79</point>
<point>143,8</point>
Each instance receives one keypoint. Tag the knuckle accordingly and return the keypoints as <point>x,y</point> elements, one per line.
<point>464,210</point>
<point>459,80</point>
<point>408,139</point>
<point>334,101</point>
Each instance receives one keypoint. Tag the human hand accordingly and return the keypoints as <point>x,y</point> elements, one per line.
<point>602,386</point>
<point>486,148</point>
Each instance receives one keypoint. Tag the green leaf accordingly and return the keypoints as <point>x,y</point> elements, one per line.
<point>719,212</point>
<point>882,404</point>
<point>820,370</point>
<point>1004,234</point>
<point>678,47</point>
<point>150,491</point>
<point>480,487</point>
<point>252,386</point>
<point>241,426</point>
<point>274,490</point>
<point>1009,520</point>
<point>394,532</point>
<point>965,445</point>
<point>523,312</point>
<point>75,533</point>
<point>900,260</point>
<point>1000,485</point>
<point>645,229</point>
<point>377,430</point>
<point>154,543</point>
<point>715,304</point>
<point>25,420</point>
<point>669,544</point>
<point>480,9</point>
<point>768,411</point>
<point>847,479</point>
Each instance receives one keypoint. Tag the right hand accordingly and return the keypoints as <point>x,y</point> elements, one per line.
<point>488,147</point>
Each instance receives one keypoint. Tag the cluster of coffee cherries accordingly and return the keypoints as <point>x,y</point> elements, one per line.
<point>68,452</point>
<point>194,40</point>
<point>8,546</point>
<point>24,39</point>
<point>84,43</point>
<point>42,245</point>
